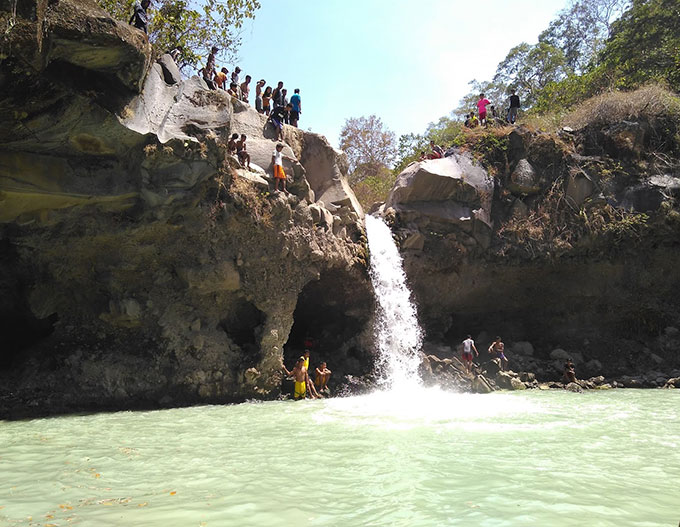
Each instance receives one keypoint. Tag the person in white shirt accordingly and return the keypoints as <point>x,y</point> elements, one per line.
<point>277,161</point>
<point>468,347</point>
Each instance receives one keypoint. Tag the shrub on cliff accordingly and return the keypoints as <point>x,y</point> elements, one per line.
<point>194,26</point>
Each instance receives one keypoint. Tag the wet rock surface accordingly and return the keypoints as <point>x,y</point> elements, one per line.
<point>576,257</point>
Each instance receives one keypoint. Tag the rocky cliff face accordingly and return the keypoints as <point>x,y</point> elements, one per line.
<point>139,263</point>
<point>566,241</point>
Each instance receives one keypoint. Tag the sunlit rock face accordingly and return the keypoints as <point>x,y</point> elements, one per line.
<point>140,263</point>
<point>536,242</point>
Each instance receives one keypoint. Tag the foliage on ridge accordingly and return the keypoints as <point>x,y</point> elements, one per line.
<point>193,26</point>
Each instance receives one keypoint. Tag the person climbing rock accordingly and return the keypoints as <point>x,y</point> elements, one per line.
<point>231,145</point>
<point>468,347</point>
<point>322,376</point>
<point>279,173</point>
<point>279,116</point>
<point>242,152</point>
<point>482,103</point>
<point>296,103</point>
<point>139,18</point>
<point>497,351</point>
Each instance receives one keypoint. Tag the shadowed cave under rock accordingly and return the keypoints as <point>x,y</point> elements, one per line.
<point>336,314</point>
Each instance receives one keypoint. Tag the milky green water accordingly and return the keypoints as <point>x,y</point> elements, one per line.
<point>432,459</point>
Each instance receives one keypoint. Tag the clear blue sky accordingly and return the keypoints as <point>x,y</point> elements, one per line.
<point>408,62</point>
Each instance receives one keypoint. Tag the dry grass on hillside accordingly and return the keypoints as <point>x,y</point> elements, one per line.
<point>650,102</point>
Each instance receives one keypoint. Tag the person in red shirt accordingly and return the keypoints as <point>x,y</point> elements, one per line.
<point>482,103</point>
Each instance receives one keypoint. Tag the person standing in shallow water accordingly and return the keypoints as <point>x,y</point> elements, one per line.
<point>468,347</point>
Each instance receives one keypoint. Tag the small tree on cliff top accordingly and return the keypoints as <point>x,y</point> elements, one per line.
<point>195,26</point>
<point>368,144</point>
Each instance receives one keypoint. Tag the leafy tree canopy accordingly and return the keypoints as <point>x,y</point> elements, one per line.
<point>194,26</point>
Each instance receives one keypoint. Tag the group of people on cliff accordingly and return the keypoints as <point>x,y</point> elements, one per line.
<point>483,119</point>
<point>273,103</point>
<point>303,387</point>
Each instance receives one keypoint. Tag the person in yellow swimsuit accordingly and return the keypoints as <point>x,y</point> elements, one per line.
<point>299,375</point>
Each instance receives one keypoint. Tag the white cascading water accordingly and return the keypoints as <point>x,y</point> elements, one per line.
<point>398,334</point>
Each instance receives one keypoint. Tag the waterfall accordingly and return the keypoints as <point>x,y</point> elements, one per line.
<point>398,334</point>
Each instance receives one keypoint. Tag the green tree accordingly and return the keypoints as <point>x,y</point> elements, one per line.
<point>530,68</point>
<point>194,26</point>
<point>645,45</point>
<point>581,30</point>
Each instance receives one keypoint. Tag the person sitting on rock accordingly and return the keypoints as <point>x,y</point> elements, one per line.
<point>472,121</point>
<point>569,372</point>
<point>221,78</point>
<point>140,18</point>
<point>279,174</point>
<point>209,69</point>
<point>267,100</point>
<point>279,116</point>
<point>468,347</point>
<point>437,152</point>
<point>422,156</point>
<point>242,152</point>
<point>233,90</point>
<point>231,145</point>
<point>322,376</point>
<point>497,351</point>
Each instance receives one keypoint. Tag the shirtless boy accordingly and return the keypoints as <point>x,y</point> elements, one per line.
<point>497,351</point>
<point>242,152</point>
<point>322,376</point>
<point>300,377</point>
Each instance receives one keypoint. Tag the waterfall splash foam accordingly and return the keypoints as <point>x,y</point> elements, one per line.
<point>398,334</point>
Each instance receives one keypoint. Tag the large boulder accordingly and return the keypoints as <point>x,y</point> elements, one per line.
<point>452,194</point>
<point>524,179</point>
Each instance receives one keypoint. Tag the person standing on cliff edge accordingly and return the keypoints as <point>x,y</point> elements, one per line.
<point>468,346</point>
<point>139,18</point>
<point>296,103</point>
